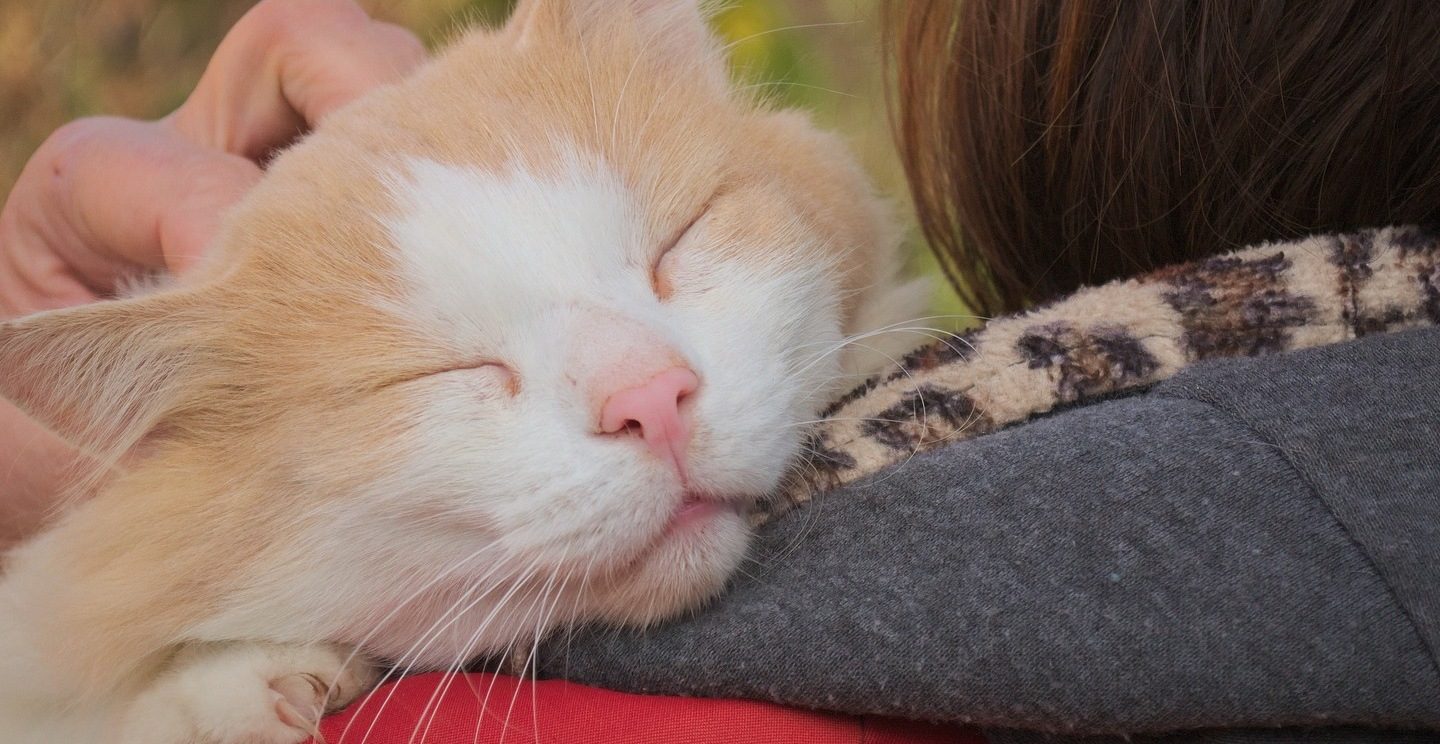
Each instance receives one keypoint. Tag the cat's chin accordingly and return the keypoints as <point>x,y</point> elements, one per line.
<point>689,564</point>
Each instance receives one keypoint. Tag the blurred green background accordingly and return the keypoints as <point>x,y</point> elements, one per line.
<point>63,59</point>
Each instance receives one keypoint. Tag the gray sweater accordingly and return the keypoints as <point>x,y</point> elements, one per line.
<point>1254,543</point>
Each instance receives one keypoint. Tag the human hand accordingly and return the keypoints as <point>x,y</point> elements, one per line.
<point>107,198</point>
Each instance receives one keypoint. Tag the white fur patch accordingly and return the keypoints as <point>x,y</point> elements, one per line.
<point>482,250</point>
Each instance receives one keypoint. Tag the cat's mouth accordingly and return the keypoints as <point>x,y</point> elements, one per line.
<point>702,541</point>
<point>696,509</point>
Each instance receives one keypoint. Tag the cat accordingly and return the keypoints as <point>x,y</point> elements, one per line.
<point>511,345</point>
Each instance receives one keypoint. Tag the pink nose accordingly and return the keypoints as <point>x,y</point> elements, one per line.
<point>654,408</point>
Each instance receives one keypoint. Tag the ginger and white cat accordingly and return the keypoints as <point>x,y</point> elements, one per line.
<point>507,346</point>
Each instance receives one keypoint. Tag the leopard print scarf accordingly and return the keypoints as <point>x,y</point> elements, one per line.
<point>1121,336</point>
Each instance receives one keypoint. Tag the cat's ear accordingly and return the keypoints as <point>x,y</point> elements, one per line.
<point>677,29</point>
<point>98,375</point>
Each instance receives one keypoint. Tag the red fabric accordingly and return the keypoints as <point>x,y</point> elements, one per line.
<point>562,713</point>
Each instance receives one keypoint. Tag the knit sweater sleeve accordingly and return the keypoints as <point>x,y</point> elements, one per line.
<point>1251,543</point>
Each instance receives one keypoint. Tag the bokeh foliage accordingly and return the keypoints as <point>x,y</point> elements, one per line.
<point>63,59</point>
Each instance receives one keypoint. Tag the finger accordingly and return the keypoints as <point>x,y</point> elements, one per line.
<point>287,64</point>
<point>111,195</point>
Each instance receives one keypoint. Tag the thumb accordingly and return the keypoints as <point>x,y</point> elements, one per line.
<point>133,194</point>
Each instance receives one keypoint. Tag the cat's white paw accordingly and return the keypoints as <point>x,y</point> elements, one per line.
<point>246,694</point>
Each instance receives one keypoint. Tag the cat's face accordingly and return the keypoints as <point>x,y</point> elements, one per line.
<point>511,344</point>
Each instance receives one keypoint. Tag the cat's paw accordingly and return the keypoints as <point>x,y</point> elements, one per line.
<point>246,694</point>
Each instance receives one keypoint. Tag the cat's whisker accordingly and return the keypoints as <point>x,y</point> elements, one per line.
<point>937,334</point>
<point>533,662</point>
<point>431,711</point>
<point>809,517</point>
<point>793,84</point>
<point>970,419</point>
<point>909,322</point>
<point>792,373</point>
<point>624,88</point>
<point>940,336</point>
<point>915,387</point>
<point>536,607</point>
<point>501,660</point>
<point>835,348</point>
<point>484,710</point>
<point>452,671</point>
<point>432,634</point>
<point>809,514</point>
<point>904,325</point>
<point>376,627</point>
<point>470,645</point>
<point>590,85</point>
<point>443,687</point>
<point>505,656</point>
<point>467,648</point>
<point>399,665</point>
<point>660,100</point>
<point>876,419</point>
<point>857,377</point>
<point>619,105</point>
<point>499,605</point>
<point>740,569</point>
<point>575,606</point>
<point>797,27</point>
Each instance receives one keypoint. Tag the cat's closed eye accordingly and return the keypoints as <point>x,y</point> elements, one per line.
<point>488,378</point>
<point>662,272</point>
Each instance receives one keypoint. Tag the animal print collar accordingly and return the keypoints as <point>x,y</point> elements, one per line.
<point>1121,336</point>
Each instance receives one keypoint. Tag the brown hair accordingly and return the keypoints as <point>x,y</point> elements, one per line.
<point>1054,143</point>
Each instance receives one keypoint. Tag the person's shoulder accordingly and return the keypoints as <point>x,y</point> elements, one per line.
<point>1366,373</point>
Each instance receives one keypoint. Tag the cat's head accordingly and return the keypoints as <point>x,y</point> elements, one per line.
<point>541,321</point>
